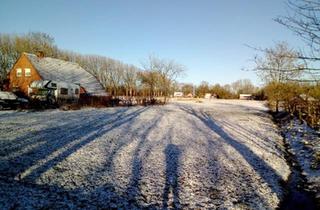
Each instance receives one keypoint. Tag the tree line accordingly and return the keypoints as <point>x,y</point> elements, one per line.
<point>155,78</point>
<point>228,91</point>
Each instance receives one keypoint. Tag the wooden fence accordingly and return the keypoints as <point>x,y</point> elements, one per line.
<point>304,109</point>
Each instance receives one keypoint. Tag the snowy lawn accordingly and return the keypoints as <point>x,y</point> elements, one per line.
<point>218,154</point>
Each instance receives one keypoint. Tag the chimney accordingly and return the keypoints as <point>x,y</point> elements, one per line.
<point>40,54</point>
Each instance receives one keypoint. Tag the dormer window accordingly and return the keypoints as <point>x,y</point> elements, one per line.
<point>19,72</point>
<point>27,72</point>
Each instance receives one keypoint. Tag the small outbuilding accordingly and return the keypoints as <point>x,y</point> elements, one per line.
<point>245,97</point>
<point>178,94</point>
<point>207,96</point>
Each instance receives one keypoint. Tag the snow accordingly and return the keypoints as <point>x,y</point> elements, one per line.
<point>216,154</point>
<point>304,143</point>
<point>4,95</point>
<point>65,71</point>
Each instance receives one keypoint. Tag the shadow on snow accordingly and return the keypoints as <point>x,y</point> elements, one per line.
<point>105,196</point>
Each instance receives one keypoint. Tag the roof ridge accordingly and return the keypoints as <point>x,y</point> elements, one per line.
<point>72,62</point>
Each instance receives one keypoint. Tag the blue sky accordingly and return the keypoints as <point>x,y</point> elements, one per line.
<point>207,36</point>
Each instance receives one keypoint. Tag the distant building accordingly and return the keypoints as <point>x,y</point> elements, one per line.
<point>207,96</point>
<point>245,97</point>
<point>29,68</point>
<point>178,94</point>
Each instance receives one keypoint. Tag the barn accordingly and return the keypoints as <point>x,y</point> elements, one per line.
<point>30,67</point>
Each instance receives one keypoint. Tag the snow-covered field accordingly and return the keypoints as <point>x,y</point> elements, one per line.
<point>220,154</point>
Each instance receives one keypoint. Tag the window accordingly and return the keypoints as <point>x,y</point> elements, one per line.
<point>63,91</point>
<point>19,72</point>
<point>27,72</point>
<point>76,91</point>
<point>53,85</point>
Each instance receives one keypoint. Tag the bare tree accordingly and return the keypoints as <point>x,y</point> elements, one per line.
<point>7,56</point>
<point>149,82</point>
<point>276,67</point>
<point>278,64</point>
<point>168,71</point>
<point>130,78</point>
<point>115,78</point>
<point>303,20</point>
<point>243,86</point>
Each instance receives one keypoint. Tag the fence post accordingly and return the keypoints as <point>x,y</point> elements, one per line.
<point>300,114</point>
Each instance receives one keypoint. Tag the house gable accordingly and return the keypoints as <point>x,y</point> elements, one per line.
<point>30,67</point>
<point>22,74</point>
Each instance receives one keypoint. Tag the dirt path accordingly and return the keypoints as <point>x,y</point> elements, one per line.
<point>221,154</point>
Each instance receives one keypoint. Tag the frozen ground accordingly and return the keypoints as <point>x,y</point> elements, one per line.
<point>220,154</point>
<point>304,143</point>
